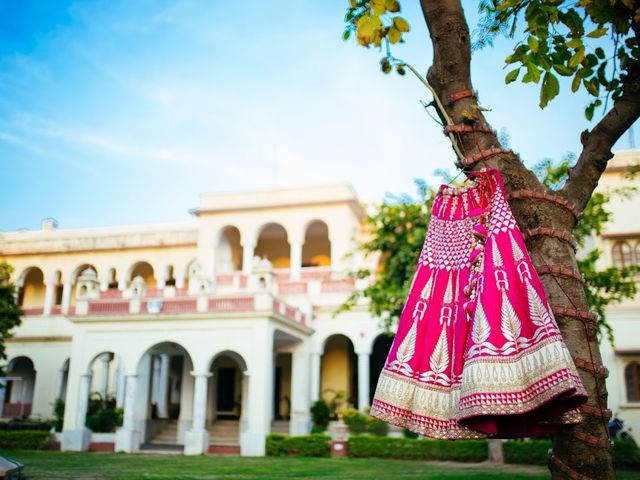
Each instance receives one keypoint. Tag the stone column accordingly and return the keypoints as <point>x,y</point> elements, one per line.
<point>247,258</point>
<point>299,421</point>
<point>163,411</point>
<point>244,414</point>
<point>3,391</point>
<point>197,438</point>
<point>315,376</point>
<point>363,380</point>
<point>83,400</point>
<point>155,381</point>
<point>127,437</point>
<point>77,439</point>
<point>66,297</point>
<point>120,385</point>
<point>49,295</point>
<point>296,260</point>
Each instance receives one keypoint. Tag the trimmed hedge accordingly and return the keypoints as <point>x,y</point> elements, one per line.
<point>626,455</point>
<point>25,439</point>
<point>25,425</point>
<point>417,449</point>
<point>314,445</point>
<point>527,452</point>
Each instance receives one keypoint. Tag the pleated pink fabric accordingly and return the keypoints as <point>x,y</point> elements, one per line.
<point>477,352</point>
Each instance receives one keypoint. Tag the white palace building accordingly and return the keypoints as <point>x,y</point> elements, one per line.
<point>211,334</point>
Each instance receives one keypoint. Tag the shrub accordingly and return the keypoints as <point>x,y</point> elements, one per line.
<point>409,434</point>
<point>18,424</point>
<point>626,455</point>
<point>58,412</point>
<point>320,414</point>
<point>317,429</point>
<point>314,445</point>
<point>25,439</point>
<point>415,449</point>
<point>363,423</point>
<point>529,452</point>
<point>104,421</point>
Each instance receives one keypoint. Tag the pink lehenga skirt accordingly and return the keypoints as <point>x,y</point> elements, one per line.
<point>477,352</point>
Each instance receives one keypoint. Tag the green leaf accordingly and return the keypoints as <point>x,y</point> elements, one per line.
<point>598,32</point>
<point>574,43</point>
<point>346,34</point>
<point>512,76</point>
<point>577,58</point>
<point>533,72</point>
<point>575,84</point>
<point>533,44</point>
<point>549,90</point>
<point>563,70</point>
<point>592,86</point>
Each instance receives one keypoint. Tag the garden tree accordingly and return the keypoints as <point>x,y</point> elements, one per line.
<point>10,312</point>
<point>556,38</point>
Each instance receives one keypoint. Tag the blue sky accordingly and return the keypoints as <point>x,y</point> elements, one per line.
<point>121,112</point>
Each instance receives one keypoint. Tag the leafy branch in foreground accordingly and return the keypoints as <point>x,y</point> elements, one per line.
<point>593,42</point>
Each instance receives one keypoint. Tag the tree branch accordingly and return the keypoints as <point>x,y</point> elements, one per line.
<point>597,144</point>
<point>450,73</point>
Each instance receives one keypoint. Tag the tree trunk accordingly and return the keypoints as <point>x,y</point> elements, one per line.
<point>582,451</point>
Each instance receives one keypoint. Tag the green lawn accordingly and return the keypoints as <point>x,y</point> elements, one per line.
<point>105,466</point>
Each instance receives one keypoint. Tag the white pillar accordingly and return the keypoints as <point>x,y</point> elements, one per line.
<point>155,381</point>
<point>163,411</point>
<point>315,376</point>
<point>3,391</point>
<point>299,421</point>
<point>49,297</point>
<point>66,297</point>
<point>244,407</point>
<point>83,400</point>
<point>78,437</point>
<point>197,438</point>
<point>296,259</point>
<point>247,257</point>
<point>363,380</point>
<point>127,437</point>
<point>120,385</point>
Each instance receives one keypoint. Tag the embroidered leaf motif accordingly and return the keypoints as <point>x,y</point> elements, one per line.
<point>440,356</point>
<point>448,294</point>
<point>510,325</point>
<point>408,346</point>
<point>481,328</point>
<point>426,291</point>
<point>515,249</point>
<point>495,253</point>
<point>539,313</point>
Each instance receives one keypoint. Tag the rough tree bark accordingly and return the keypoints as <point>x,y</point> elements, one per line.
<point>582,451</point>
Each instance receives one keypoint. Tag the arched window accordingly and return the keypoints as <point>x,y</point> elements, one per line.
<point>632,381</point>
<point>622,254</point>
